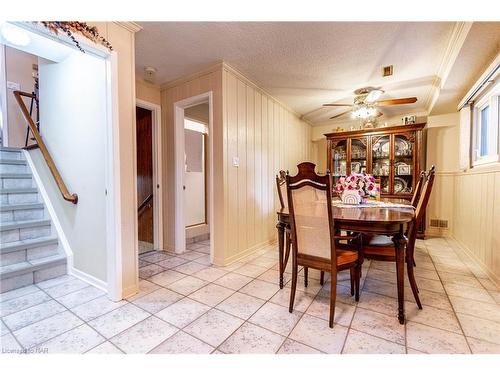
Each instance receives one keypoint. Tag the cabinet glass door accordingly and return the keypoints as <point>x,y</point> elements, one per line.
<point>404,146</point>
<point>339,160</point>
<point>357,160</point>
<point>381,161</point>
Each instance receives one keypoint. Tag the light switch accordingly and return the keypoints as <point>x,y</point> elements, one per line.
<point>236,161</point>
<point>13,86</point>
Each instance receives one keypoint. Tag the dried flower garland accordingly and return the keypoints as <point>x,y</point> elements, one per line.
<point>69,27</point>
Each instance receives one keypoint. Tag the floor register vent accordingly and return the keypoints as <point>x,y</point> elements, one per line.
<point>438,223</point>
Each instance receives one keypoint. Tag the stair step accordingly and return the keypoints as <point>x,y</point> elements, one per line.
<point>16,175</point>
<point>11,153</point>
<point>12,161</point>
<point>24,206</point>
<point>10,149</point>
<point>18,190</point>
<point>33,265</point>
<point>26,273</point>
<point>9,225</point>
<point>27,244</point>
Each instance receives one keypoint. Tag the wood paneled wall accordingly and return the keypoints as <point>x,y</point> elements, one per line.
<point>476,221</point>
<point>266,137</point>
<point>263,134</point>
<point>469,200</point>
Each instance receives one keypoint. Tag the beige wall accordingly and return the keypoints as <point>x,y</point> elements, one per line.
<point>18,66</point>
<point>251,125</point>
<point>147,91</point>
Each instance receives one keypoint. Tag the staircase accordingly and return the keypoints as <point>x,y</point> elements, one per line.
<point>29,247</point>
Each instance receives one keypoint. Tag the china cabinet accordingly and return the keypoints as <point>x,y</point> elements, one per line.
<point>394,155</point>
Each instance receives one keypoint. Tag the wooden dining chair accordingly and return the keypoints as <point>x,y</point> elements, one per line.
<point>313,235</point>
<point>383,249</point>
<point>418,189</point>
<point>283,199</point>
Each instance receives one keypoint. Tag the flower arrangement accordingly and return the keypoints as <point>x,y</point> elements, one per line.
<point>360,183</point>
<point>70,27</point>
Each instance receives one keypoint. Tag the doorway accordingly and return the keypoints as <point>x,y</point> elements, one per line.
<point>194,174</point>
<point>148,172</point>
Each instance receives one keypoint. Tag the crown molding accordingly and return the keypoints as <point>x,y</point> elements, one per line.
<point>130,26</point>
<point>222,65</point>
<point>190,77</point>
<point>455,44</point>
<point>241,76</point>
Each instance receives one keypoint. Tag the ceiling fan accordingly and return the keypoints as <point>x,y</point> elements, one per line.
<point>366,105</point>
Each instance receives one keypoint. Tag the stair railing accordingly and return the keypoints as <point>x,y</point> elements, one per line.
<point>145,203</point>
<point>73,198</point>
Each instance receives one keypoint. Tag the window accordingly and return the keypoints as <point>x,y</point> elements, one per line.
<point>486,128</point>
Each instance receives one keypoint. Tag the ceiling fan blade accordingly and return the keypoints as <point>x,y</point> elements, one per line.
<point>340,114</point>
<point>336,105</point>
<point>396,101</point>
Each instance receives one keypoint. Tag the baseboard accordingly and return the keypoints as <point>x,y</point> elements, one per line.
<point>235,258</point>
<point>494,278</point>
<point>88,279</point>
<point>436,232</point>
<point>130,291</point>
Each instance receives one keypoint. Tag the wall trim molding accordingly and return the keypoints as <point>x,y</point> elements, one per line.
<point>235,258</point>
<point>222,65</point>
<point>455,43</point>
<point>476,261</point>
<point>189,77</point>
<point>241,76</point>
<point>100,284</point>
<point>130,26</point>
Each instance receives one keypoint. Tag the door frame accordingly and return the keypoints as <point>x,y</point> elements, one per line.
<point>179,146</point>
<point>157,172</point>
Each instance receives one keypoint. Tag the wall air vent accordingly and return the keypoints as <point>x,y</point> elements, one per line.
<point>387,71</point>
<point>438,223</point>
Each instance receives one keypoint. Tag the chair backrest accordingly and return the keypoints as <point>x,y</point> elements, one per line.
<point>311,219</point>
<point>422,203</point>
<point>378,186</point>
<point>418,189</point>
<point>281,187</point>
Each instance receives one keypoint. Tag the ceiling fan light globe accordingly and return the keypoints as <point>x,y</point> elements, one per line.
<point>374,95</point>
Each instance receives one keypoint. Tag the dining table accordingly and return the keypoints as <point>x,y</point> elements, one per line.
<point>388,219</point>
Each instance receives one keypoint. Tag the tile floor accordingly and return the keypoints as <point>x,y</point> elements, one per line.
<point>187,306</point>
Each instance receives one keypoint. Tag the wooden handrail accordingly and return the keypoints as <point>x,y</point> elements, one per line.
<point>73,198</point>
<point>144,203</point>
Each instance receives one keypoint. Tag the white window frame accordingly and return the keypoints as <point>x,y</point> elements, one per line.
<point>491,99</point>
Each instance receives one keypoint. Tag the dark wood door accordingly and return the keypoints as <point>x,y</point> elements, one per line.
<point>144,139</point>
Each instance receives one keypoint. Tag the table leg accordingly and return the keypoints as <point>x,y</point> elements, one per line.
<point>400,242</point>
<point>281,238</point>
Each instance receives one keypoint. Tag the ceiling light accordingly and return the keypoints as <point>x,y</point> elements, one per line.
<point>364,112</point>
<point>15,35</point>
<point>374,95</point>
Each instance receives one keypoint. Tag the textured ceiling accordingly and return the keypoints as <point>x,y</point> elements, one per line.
<point>307,64</point>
